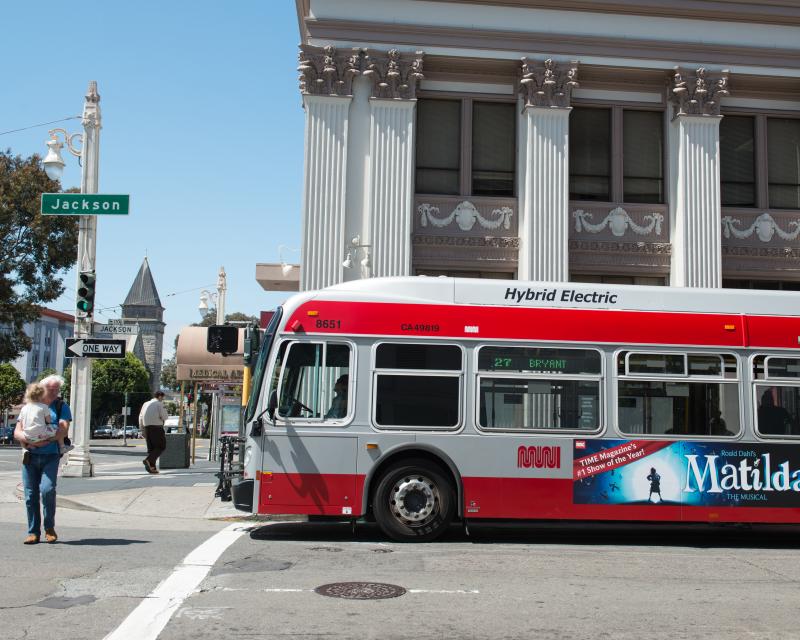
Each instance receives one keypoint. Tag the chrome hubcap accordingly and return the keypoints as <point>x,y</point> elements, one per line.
<point>414,500</point>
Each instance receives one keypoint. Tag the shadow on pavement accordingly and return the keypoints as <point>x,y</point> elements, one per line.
<point>701,536</point>
<point>103,542</point>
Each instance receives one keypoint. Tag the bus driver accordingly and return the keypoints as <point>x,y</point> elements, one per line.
<point>339,404</point>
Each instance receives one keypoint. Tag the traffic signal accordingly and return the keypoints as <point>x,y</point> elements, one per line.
<point>252,338</point>
<point>86,283</point>
<point>222,338</point>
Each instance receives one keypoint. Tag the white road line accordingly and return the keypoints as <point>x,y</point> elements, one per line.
<point>148,620</point>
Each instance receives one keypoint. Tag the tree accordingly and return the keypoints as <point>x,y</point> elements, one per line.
<point>36,249</point>
<point>111,380</point>
<point>169,374</point>
<point>12,386</point>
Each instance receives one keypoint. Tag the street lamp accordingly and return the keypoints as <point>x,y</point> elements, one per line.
<point>354,246</point>
<point>286,268</point>
<point>79,462</point>
<point>217,299</point>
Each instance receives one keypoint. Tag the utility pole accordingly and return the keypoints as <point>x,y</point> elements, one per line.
<point>79,462</point>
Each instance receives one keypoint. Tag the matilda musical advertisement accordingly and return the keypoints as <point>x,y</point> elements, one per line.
<point>685,473</point>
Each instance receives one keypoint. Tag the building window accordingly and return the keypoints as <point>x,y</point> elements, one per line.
<point>737,163</point>
<point>493,148</point>
<point>438,146</point>
<point>616,155</point>
<point>768,285</point>
<point>484,165</point>
<point>783,163</point>
<point>590,154</point>
<point>760,161</point>
<point>649,281</point>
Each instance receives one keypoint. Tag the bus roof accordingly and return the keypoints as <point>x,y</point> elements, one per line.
<point>567,295</point>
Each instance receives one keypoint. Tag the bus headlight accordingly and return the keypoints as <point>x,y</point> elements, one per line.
<point>248,454</point>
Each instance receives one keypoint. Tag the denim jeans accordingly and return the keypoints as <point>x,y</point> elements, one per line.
<point>39,480</point>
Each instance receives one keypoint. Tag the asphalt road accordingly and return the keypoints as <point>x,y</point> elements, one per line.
<point>546,581</point>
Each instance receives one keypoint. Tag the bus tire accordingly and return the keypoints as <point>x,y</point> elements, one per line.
<point>414,501</point>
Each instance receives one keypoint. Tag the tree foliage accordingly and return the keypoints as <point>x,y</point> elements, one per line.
<point>12,387</point>
<point>36,249</point>
<point>46,372</point>
<point>111,380</point>
<point>169,374</point>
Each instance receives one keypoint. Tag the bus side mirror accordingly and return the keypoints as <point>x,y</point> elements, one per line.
<point>272,405</point>
<point>256,428</point>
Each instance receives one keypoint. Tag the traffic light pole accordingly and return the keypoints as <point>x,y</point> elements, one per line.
<point>79,462</point>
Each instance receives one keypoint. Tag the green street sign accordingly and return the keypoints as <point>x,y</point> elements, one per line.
<point>84,204</point>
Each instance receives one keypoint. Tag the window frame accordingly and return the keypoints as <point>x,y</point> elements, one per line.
<point>434,373</point>
<point>617,167</point>
<point>721,379</point>
<point>768,382</point>
<point>465,140</point>
<point>301,421</point>
<point>761,163</point>
<point>600,378</point>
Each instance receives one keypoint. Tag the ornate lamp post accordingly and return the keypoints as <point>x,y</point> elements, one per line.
<point>79,463</point>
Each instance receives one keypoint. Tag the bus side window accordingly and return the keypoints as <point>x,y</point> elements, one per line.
<point>658,395</point>
<point>314,382</point>
<point>777,396</point>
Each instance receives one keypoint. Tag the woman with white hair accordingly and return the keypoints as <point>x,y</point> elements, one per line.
<point>40,474</point>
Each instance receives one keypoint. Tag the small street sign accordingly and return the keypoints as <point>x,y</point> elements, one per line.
<point>110,330</point>
<point>84,204</point>
<point>94,348</point>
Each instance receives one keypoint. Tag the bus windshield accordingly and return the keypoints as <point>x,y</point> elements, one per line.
<point>261,364</point>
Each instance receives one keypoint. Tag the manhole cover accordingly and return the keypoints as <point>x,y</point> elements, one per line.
<point>360,590</point>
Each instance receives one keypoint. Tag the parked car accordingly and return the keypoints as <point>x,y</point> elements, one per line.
<point>7,435</point>
<point>131,431</point>
<point>103,431</point>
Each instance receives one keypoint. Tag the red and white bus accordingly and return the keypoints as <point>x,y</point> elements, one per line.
<point>420,401</point>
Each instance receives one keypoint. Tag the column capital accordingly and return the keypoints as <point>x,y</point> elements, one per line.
<point>697,92</point>
<point>394,75</point>
<point>326,71</point>
<point>547,84</point>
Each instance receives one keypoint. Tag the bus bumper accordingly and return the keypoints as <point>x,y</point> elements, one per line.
<point>242,494</point>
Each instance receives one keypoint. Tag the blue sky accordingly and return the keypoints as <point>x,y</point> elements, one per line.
<point>202,126</point>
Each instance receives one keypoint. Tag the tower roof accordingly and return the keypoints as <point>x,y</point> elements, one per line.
<point>143,291</point>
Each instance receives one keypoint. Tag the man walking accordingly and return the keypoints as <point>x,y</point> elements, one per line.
<point>151,421</point>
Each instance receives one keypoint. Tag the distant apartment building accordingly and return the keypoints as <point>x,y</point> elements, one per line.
<point>48,335</point>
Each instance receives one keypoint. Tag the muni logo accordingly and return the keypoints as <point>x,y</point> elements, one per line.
<point>539,457</point>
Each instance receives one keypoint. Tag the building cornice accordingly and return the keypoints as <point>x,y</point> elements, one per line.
<point>782,12</point>
<point>556,44</point>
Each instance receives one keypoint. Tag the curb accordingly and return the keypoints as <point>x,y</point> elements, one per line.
<point>61,501</point>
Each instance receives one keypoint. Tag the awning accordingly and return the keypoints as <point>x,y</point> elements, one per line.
<point>196,364</point>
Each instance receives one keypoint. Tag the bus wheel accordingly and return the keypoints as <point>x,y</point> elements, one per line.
<point>414,502</point>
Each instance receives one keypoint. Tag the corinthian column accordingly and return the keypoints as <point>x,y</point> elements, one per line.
<point>388,219</point>
<point>545,89</point>
<point>326,81</point>
<point>695,205</point>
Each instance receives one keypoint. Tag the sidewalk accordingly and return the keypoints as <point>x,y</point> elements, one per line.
<point>123,486</point>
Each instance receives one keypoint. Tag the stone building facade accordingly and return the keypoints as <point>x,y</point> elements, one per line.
<point>653,143</point>
<point>142,307</point>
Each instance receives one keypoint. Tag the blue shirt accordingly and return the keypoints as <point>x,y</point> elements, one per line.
<point>66,414</point>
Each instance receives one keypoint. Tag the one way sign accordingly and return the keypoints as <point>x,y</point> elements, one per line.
<point>94,348</point>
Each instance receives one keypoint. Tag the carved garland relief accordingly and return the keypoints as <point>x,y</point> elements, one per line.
<point>618,221</point>
<point>764,227</point>
<point>465,216</point>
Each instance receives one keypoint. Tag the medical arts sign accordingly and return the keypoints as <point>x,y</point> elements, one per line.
<point>77,204</point>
